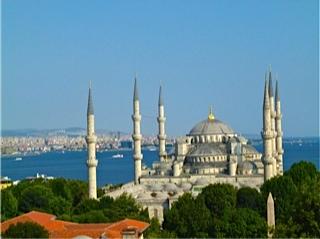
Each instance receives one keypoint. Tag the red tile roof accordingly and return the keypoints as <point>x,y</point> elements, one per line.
<point>64,229</point>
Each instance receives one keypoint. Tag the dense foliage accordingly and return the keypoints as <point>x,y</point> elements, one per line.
<point>241,212</point>
<point>214,213</point>
<point>220,210</point>
<point>68,200</point>
<point>26,230</point>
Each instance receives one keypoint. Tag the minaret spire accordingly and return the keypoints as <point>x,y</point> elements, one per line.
<point>279,132</point>
<point>136,136</point>
<point>267,134</point>
<point>91,144</point>
<point>90,102</point>
<point>135,92</point>
<point>161,122</point>
<point>273,121</point>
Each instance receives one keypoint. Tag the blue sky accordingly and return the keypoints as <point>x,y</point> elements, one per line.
<point>204,53</point>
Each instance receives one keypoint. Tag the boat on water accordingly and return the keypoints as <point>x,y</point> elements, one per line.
<point>151,148</point>
<point>117,156</point>
<point>18,159</point>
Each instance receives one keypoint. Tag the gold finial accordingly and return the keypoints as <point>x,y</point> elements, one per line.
<point>210,116</point>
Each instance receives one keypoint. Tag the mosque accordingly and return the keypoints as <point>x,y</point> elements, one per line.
<point>212,152</point>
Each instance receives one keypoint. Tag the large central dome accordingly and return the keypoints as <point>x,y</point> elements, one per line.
<point>211,127</point>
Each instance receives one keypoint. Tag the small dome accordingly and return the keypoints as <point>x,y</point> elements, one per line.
<point>211,127</point>
<point>186,186</point>
<point>162,195</point>
<point>201,182</point>
<point>170,187</point>
<point>144,196</point>
<point>246,165</point>
<point>155,187</point>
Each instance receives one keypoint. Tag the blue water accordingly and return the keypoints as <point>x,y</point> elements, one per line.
<point>73,164</point>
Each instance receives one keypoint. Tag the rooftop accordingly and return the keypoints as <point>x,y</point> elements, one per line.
<point>64,229</point>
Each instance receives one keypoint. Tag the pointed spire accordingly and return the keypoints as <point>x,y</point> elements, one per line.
<point>266,102</point>
<point>160,102</point>
<point>135,93</point>
<point>90,102</point>
<point>270,198</point>
<point>270,84</point>
<point>277,92</point>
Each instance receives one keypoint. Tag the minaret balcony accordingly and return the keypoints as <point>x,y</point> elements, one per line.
<point>91,139</point>
<point>92,163</point>
<point>137,157</point>
<point>136,136</point>
<point>162,136</point>
<point>268,134</point>
<point>267,160</point>
<point>136,117</point>
<point>161,119</point>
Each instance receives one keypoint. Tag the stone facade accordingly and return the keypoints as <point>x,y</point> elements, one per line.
<point>210,153</point>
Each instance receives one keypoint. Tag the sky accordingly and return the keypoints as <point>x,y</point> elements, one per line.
<point>202,52</point>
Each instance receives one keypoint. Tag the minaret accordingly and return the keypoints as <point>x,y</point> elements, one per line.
<point>279,132</point>
<point>161,121</point>
<point>91,144</point>
<point>136,136</point>
<point>273,116</point>
<point>267,135</point>
<point>270,215</point>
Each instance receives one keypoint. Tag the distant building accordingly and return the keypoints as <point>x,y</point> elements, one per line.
<point>212,152</point>
<point>5,182</point>
<point>126,228</point>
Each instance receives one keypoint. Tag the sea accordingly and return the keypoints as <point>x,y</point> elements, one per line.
<point>114,170</point>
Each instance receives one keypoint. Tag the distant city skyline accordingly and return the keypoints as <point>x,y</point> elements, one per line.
<point>207,53</point>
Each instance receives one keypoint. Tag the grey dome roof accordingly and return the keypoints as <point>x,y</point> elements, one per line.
<point>201,181</point>
<point>210,127</point>
<point>208,149</point>
<point>246,165</point>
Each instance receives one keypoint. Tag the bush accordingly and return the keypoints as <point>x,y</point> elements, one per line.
<point>9,204</point>
<point>26,230</point>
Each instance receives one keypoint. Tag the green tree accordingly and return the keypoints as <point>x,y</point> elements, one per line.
<point>105,202</point>
<point>60,187</point>
<point>79,191</point>
<point>26,230</point>
<point>86,206</point>
<point>188,217</point>
<point>219,197</point>
<point>307,209</point>
<point>60,206</point>
<point>35,198</point>
<point>9,204</point>
<point>239,223</point>
<point>301,172</point>
<point>153,230</point>
<point>94,216</point>
<point>284,191</point>
<point>250,198</point>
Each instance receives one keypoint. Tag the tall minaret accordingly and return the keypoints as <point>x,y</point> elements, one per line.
<point>279,132</point>
<point>267,135</point>
<point>136,136</point>
<point>91,142</point>
<point>273,122</point>
<point>161,120</point>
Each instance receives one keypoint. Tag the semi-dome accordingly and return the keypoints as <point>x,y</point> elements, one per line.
<point>211,127</point>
